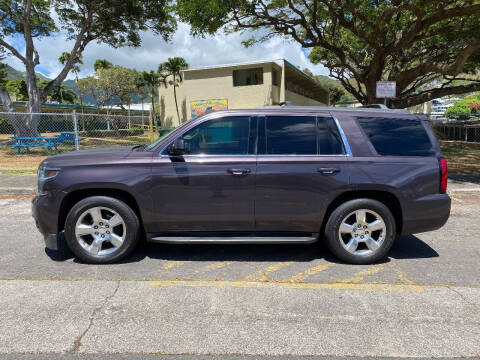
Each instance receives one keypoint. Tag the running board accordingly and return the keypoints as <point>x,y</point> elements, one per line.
<point>235,239</point>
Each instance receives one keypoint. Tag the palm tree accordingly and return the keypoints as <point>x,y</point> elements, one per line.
<point>75,69</point>
<point>174,67</point>
<point>150,80</point>
<point>102,64</point>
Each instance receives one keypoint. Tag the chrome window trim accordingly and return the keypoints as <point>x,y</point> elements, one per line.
<point>346,145</point>
<point>206,156</point>
<point>306,155</point>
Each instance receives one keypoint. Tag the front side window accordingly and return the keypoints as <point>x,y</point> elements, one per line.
<point>397,137</point>
<point>225,136</point>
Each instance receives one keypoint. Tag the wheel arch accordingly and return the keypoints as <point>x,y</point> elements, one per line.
<point>385,197</point>
<point>75,196</point>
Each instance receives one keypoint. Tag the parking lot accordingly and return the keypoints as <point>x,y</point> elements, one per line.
<point>423,301</point>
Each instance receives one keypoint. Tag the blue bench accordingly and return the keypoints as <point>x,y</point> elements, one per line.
<point>26,142</point>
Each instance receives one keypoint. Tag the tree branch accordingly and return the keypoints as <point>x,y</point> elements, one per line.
<point>12,50</point>
<point>431,94</point>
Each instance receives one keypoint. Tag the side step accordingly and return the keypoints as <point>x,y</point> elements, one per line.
<point>235,239</point>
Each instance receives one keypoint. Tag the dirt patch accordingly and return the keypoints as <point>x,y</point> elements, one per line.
<point>463,158</point>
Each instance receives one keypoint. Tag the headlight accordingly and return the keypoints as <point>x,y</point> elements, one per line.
<point>45,173</point>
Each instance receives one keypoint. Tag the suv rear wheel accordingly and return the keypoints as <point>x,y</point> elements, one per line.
<point>101,230</point>
<point>360,231</point>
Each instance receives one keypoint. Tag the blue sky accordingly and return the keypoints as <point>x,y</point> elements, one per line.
<point>219,49</point>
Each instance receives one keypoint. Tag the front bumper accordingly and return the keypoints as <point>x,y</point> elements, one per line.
<point>427,213</point>
<point>46,220</point>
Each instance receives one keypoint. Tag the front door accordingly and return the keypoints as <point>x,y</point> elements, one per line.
<point>302,166</point>
<point>212,186</point>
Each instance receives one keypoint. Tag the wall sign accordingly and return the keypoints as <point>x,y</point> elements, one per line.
<point>198,107</point>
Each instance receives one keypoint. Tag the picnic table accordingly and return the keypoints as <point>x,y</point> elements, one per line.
<point>26,142</point>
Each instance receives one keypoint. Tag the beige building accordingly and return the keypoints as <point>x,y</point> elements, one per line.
<point>239,86</point>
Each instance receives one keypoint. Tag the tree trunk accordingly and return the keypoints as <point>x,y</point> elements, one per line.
<point>34,108</point>
<point>371,89</point>
<point>175,96</point>
<point>8,107</point>
<point>153,105</point>
<point>5,99</point>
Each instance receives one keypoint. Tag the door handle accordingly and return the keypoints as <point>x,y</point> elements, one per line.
<point>328,171</point>
<point>239,172</point>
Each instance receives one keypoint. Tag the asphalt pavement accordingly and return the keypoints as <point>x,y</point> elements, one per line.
<point>241,301</point>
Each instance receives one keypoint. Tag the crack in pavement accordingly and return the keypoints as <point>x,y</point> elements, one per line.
<point>78,340</point>
<point>463,297</point>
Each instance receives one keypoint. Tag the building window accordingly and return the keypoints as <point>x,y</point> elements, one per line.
<point>244,77</point>
<point>275,77</point>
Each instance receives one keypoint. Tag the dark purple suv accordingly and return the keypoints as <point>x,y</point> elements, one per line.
<point>356,178</point>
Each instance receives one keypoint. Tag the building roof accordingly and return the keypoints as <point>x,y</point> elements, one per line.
<point>279,62</point>
<point>210,67</point>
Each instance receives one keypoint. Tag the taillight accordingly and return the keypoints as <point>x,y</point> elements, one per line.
<point>443,175</point>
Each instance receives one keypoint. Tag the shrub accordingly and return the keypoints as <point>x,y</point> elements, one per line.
<point>459,111</point>
<point>5,126</point>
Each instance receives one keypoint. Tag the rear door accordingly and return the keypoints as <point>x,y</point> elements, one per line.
<point>302,164</point>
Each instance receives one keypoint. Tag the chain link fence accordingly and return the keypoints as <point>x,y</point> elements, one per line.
<point>57,132</point>
<point>468,131</point>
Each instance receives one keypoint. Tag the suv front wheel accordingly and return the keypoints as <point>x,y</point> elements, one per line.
<point>101,229</point>
<point>360,231</point>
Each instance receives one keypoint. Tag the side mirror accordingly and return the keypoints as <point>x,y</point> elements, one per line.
<point>177,148</point>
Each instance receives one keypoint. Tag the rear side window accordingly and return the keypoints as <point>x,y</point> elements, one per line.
<point>300,135</point>
<point>291,135</point>
<point>404,137</point>
<point>329,139</point>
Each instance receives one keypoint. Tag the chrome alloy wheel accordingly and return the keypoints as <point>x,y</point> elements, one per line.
<point>100,231</point>
<point>362,232</point>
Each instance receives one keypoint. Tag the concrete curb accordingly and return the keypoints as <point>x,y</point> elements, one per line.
<point>464,191</point>
<point>17,191</point>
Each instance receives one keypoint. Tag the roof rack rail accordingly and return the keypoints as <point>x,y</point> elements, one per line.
<point>365,108</point>
<point>374,106</point>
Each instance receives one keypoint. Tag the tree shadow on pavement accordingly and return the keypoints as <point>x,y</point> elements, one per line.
<point>464,178</point>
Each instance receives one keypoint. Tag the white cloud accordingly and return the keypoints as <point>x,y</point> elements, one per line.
<point>213,50</point>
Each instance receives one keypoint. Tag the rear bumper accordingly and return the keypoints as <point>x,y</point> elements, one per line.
<point>427,213</point>
<point>46,221</point>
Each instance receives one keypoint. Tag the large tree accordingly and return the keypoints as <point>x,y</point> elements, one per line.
<point>114,85</point>
<point>423,45</point>
<point>113,22</point>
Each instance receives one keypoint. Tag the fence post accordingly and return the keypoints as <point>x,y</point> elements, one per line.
<point>75,129</point>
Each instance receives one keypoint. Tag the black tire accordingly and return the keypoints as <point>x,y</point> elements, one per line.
<point>130,220</point>
<point>332,227</point>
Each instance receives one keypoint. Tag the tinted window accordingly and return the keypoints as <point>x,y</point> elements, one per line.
<point>291,135</point>
<point>226,136</point>
<point>397,136</point>
<point>329,139</point>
